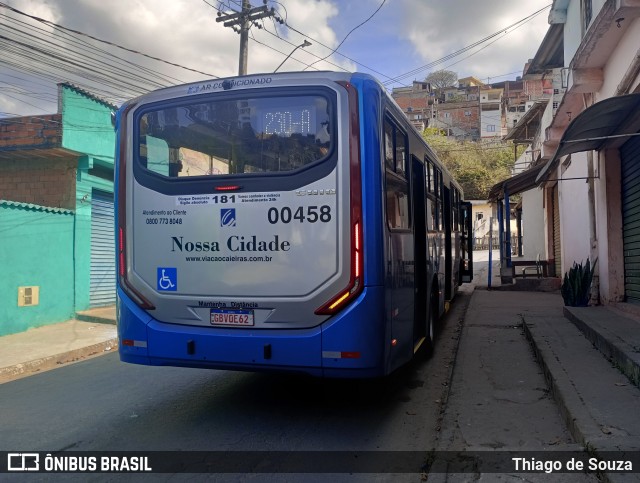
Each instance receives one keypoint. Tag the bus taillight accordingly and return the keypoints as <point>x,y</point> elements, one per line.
<point>122,217</point>
<point>356,282</point>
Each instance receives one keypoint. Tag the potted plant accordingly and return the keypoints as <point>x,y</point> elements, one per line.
<point>576,286</point>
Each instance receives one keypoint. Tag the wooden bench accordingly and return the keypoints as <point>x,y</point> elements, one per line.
<point>521,268</point>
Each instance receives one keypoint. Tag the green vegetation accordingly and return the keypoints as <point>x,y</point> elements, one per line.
<point>576,286</point>
<point>442,78</point>
<point>477,166</point>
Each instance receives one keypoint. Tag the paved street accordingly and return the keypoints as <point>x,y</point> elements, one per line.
<point>102,404</point>
<point>482,394</point>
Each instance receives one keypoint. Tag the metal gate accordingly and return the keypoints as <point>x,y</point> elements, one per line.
<point>630,157</point>
<point>102,289</point>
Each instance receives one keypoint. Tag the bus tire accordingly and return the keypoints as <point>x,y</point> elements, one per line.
<point>431,327</point>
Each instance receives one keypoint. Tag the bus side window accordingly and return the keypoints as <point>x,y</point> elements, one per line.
<point>395,147</point>
<point>389,149</point>
<point>458,217</point>
<point>456,210</point>
<point>401,153</point>
<point>439,222</point>
<point>397,202</point>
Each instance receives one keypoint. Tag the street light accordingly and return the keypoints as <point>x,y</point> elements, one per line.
<point>304,44</point>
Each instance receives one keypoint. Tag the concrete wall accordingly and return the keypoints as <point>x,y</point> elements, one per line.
<point>37,250</point>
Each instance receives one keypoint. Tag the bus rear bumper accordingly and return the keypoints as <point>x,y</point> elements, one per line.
<point>347,345</point>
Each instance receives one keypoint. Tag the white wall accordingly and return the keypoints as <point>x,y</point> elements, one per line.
<point>533,241</point>
<point>620,59</point>
<point>572,31</point>
<point>494,118</point>
<point>574,211</point>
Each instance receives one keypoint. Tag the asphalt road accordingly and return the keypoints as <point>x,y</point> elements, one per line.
<point>103,404</point>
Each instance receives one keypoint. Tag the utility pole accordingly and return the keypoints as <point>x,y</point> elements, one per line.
<point>244,19</point>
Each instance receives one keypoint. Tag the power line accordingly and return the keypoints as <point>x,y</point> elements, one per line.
<point>53,24</point>
<point>81,44</point>
<point>316,41</point>
<point>339,53</point>
<point>294,45</point>
<point>60,54</point>
<point>351,31</point>
<point>243,20</point>
<point>279,51</point>
<point>283,40</point>
<point>464,49</point>
<point>531,17</point>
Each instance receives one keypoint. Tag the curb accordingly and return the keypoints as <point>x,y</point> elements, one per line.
<point>29,368</point>
<point>95,319</point>
<point>580,422</point>
<point>557,380</point>
<point>616,351</point>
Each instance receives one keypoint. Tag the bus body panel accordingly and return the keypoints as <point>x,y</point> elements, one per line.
<point>276,253</point>
<point>370,105</point>
<point>350,342</point>
<point>371,336</point>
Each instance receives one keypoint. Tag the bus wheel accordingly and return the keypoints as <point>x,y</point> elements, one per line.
<point>430,329</point>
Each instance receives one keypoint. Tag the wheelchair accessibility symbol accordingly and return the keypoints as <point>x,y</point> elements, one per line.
<point>167,279</point>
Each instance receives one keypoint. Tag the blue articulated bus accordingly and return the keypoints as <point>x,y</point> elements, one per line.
<point>282,222</point>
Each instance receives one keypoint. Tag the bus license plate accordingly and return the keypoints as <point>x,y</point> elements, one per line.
<point>243,318</point>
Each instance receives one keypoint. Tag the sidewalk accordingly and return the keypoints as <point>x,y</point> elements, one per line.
<point>532,375</point>
<point>50,346</point>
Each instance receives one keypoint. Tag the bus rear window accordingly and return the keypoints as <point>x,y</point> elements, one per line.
<point>234,137</point>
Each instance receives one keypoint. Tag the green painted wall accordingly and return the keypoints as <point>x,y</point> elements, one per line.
<point>86,125</point>
<point>87,129</point>
<point>51,248</point>
<point>36,250</point>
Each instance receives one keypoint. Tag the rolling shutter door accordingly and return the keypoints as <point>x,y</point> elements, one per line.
<point>557,253</point>
<point>103,265</point>
<point>630,157</point>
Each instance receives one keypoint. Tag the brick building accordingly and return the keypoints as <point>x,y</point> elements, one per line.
<point>56,212</point>
<point>416,102</point>
<point>472,109</point>
<point>34,168</point>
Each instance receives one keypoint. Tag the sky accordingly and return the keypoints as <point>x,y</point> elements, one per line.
<point>404,40</point>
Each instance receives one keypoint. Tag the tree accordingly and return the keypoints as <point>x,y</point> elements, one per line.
<point>442,78</point>
<point>477,166</point>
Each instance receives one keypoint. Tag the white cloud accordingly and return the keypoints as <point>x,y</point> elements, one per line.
<point>437,29</point>
<point>402,36</point>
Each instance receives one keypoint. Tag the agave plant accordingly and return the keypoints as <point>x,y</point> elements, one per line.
<point>576,286</point>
